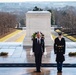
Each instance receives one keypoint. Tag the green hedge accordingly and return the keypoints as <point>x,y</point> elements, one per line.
<point>72,54</point>
<point>3,54</point>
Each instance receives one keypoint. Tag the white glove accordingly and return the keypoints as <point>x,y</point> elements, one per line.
<point>31,52</point>
<point>45,53</point>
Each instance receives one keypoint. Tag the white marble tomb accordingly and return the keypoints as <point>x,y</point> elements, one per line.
<point>38,21</point>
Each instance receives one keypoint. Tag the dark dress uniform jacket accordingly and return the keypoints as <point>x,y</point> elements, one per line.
<point>59,49</point>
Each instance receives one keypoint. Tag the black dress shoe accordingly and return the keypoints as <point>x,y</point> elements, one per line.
<point>38,71</point>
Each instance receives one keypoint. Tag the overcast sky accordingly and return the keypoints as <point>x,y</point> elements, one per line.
<point>31,0</point>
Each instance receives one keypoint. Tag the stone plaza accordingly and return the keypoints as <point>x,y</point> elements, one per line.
<point>18,54</point>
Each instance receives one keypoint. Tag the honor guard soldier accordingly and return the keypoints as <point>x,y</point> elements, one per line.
<point>59,50</point>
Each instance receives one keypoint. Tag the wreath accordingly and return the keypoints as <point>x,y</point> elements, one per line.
<point>34,35</point>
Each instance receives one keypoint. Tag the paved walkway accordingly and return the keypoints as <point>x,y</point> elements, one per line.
<point>29,71</point>
<point>16,36</point>
<point>19,37</point>
<point>9,35</point>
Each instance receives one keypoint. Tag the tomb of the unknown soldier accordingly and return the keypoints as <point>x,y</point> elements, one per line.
<point>38,21</point>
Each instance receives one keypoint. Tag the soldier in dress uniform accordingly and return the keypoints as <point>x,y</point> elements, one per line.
<point>59,50</point>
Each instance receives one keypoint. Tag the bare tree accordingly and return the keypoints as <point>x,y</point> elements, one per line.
<point>66,18</point>
<point>7,22</point>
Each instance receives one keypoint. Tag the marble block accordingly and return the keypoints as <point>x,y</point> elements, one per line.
<point>38,21</point>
